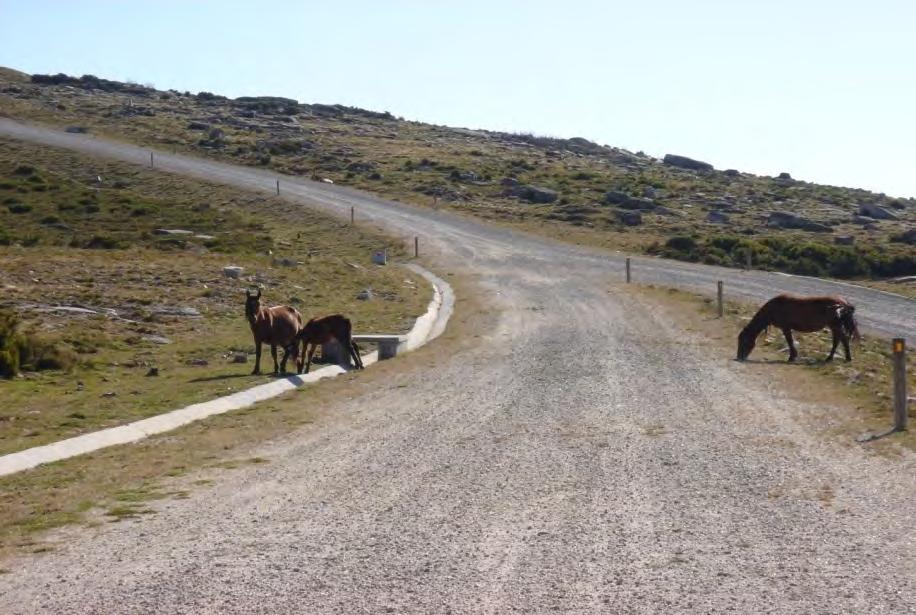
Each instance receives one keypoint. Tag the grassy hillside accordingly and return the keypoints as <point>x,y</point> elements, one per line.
<point>103,289</point>
<point>572,189</point>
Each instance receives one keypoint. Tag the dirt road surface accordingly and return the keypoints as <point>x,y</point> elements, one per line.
<point>585,456</point>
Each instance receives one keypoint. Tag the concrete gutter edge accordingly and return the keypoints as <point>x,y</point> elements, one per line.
<point>426,328</point>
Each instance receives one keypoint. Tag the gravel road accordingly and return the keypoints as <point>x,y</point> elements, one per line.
<point>584,456</point>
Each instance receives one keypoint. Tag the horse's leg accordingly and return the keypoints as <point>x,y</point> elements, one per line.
<point>793,354</point>
<point>273,353</point>
<point>356,358</point>
<point>283,359</point>
<point>311,353</point>
<point>257,358</point>
<point>845,340</point>
<point>835,330</point>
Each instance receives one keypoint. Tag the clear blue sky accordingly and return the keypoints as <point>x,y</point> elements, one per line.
<point>825,90</point>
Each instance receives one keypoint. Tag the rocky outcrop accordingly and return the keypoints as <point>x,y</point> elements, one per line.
<point>783,219</point>
<point>717,217</point>
<point>625,201</point>
<point>629,218</point>
<point>875,211</point>
<point>683,162</point>
<point>532,194</point>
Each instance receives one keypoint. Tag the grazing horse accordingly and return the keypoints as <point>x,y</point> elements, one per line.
<point>806,314</point>
<point>276,326</point>
<point>323,330</point>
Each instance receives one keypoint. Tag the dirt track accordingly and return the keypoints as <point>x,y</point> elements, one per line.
<point>583,457</point>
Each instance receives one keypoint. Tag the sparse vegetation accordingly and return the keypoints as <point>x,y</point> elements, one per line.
<point>98,289</point>
<point>485,174</point>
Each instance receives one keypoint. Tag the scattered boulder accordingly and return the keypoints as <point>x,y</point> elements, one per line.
<point>198,362</point>
<point>240,357</point>
<point>172,231</point>
<point>863,220</point>
<point>875,211</point>
<point>76,129</point>
<point>615,197</point>
<point>731,172</point>
<point>198,126</point>
<point>175,310</point>
<point>906,237</point>
<point>533,194</point>
<point>153,372</point>
<point>784,175</point>
<point>717,217</point>
<point>630,218</point>
<point>683,162</point>
<point>844,240</point>
<point>284,262</point>
<point>509,181</point>
<point>464,176</point>
<point>783,219</point>
<point>639,203</point>
<point>365,295</point>
<point>232,271</point>
<point>156,339</point>
<point>625,201</point>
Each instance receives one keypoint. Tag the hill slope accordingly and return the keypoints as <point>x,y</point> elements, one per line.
<point>568,188</point>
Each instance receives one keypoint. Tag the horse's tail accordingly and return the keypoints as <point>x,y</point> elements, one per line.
<point>847,316</point>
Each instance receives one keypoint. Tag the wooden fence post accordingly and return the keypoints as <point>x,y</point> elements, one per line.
<point>352,215</point>
<point>151,159</point>
<point>278,187</point>
<point>628,270</point>
<point>899,356</point>
<point>416,247</point>
<point>721,309</point>
<point>749,260</point>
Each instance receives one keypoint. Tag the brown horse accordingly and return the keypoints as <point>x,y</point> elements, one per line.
<point>323,330</point>
<point>276,326</point>
<point>805,314</point>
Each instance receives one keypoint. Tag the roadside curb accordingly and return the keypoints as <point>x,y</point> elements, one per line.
<point>425,329</point>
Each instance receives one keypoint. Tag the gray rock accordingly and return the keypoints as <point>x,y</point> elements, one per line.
<point>731,172</point>
<point>175,310</point>
<point>198,126</point>
<point>615,197</point>
<point>365,295</point>
<point>284,262</point>
<point>153,371</point>
<point>683,162</point>
<point>533,194</point>
<point>875,211</point>
<point>172,231</point>
<point>199,362</point>
<point>717,217</point>
<point>240,357</point>
<point>863,220</point>
<point>844,240</point>
<point>783,219</point>
<point>630,218</point>
<point>232,271</point>
<point>76,129</point>
<point>509,181</point>
<point>908,236</point>
<point>156,339</point>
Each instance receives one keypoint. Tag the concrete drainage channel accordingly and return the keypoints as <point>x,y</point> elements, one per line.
<point>426,328</point>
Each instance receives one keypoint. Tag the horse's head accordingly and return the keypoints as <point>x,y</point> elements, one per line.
<point>252,304</point>
<point>747,339</point>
